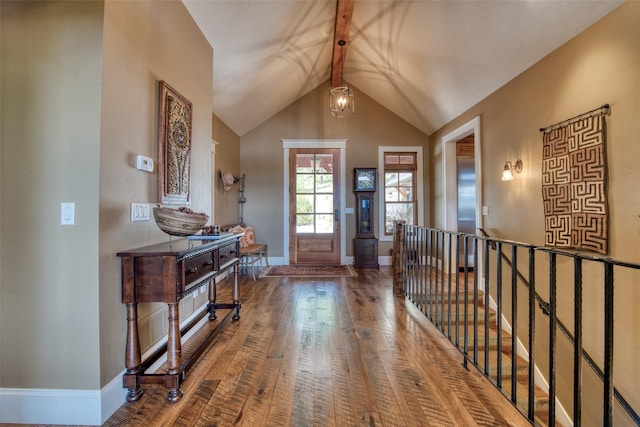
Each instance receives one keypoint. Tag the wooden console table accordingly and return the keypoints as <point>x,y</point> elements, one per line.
<point>168,272</point>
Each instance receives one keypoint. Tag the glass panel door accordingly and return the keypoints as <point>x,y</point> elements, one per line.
<point>315,206</point>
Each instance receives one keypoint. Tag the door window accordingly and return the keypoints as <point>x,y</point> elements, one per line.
<point>314,193</point>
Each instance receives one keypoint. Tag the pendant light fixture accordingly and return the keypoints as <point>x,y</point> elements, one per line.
<point>341,99</point>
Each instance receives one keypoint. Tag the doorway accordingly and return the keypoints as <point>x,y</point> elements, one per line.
<point>451,179</point>
<point>466,190</point>
<point>313,181</point>
<point>314,206</point>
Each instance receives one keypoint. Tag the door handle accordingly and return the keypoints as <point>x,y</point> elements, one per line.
<point>336,214</point>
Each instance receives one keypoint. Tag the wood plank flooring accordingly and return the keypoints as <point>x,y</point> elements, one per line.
<point>326,352</point>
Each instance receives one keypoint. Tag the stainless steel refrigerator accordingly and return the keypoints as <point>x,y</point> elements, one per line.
<point>466,200</point>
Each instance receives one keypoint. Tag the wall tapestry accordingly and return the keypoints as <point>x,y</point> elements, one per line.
<point>174,148</point>
<point>574,184</point>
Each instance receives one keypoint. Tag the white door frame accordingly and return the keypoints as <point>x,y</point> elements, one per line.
<point>449,178</point>
<point>288,144</point>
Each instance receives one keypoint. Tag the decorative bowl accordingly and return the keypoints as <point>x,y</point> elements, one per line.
<point>179,222</point>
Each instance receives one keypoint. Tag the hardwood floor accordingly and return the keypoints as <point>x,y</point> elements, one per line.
<point>326,352</point>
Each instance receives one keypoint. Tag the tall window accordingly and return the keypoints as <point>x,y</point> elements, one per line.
<point>399,189</point>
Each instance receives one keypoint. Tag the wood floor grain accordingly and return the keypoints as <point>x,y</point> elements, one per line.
<point>326,352</point>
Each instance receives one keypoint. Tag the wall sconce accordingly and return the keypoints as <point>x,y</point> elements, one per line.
<point>507,173</point>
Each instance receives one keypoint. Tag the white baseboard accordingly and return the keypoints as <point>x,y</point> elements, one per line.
<point>385,260</point>
<point>70,407</point>
<point>58,406</point>
<point>113,397</point>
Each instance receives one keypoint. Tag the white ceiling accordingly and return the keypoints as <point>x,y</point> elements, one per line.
<point>427,61</point>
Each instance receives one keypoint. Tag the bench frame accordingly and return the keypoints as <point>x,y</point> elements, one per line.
<point>250,255</point>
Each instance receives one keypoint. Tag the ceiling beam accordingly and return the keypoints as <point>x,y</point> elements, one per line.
<point>344,13</point>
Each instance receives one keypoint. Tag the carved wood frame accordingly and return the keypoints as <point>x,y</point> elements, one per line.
<point>174,146</point>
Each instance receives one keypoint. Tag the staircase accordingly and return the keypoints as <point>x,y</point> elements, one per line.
<point>499,354</point>
<point>528,275</point>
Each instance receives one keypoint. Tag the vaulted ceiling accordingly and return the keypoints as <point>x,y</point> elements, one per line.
<point>428,61</point>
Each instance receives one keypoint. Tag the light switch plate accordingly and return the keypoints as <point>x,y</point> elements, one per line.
<point>139,212</point>
<point>67,213</point>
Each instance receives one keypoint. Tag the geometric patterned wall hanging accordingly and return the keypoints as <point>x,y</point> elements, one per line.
<point>574,185</point>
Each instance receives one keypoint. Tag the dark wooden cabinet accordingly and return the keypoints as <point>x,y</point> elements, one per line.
<point>167,273</point>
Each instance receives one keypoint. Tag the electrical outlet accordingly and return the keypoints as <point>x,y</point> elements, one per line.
<point>139,212</point>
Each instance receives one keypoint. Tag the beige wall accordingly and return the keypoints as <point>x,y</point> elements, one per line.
<point>79,101</point>
<point>50,152</point>
<point>601,65</point>
<point>308,118</point>
<point>145,42</point>
<point>228,160</point>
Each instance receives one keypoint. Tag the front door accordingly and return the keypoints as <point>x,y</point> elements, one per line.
<point>314,206</point>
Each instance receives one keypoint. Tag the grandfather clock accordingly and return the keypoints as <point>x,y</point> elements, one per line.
<point>365,243</point>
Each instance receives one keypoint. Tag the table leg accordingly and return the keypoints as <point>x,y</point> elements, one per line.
<point>132,354</point>
<point>174,352</point>
<point>236,297</point>
<point>211,307</point>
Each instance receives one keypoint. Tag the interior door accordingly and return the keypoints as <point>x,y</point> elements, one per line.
<point>314,206</point>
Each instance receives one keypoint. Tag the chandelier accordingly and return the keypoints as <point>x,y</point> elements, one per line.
<point>341,99</point>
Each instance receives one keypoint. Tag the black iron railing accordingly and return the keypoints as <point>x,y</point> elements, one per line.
<point>506,324</point>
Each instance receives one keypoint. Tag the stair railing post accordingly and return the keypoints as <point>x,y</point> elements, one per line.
<point>475,303</point>
<point>577,346</point>
<point>552,336</point>
<point>486,306</point>
<point>532,323</point>
<point>457,270</point>
<point>608,345</point>
<point>499,311</point>
<point>514,321</point>
<point>465,318</point>
<point>396,263</point>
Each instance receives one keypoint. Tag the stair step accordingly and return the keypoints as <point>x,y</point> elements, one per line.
<point>506,343</point>
<point>541,398</point>
<point>460,314</point>
<point>522,368</point>
<point>454,297</point>
<point>540,401</point>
